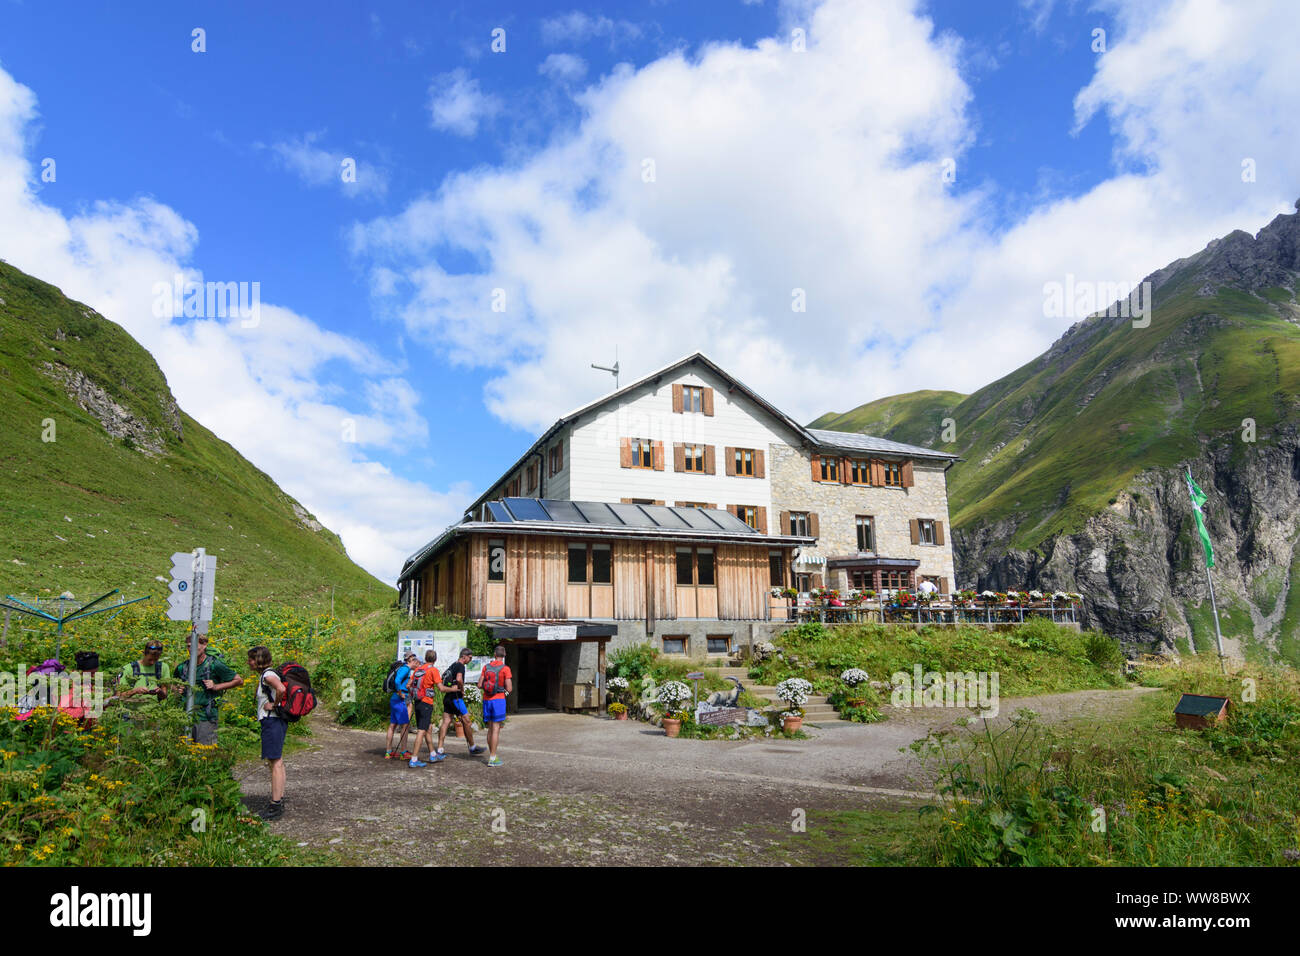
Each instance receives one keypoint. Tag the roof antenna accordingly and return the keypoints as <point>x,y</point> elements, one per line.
<point>613,371</point>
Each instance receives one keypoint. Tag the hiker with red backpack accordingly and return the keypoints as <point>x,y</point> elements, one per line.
<point>495,682</point>
<point>284,695</point>
<point>425,682</point>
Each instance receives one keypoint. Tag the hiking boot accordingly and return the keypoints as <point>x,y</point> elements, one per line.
<point>478,749</point>
<point>435,758</point>
<point>406,755</point>
<point>273,811</point>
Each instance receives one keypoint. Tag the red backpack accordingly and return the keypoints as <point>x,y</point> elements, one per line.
<point>493,682</point>
<point>299,699</point>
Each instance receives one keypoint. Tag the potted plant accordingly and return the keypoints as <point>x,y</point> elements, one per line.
<point>854,677</point>
<point>617,711</point>
<point>618,690</point>
<point>672,695</point>
<point>793,692</point>
<point>473,696</point>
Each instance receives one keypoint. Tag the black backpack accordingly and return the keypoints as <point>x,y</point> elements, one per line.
<point>390,682</point>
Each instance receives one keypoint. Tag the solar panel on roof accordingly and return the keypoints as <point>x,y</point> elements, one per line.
<point>632,516</point>
<point>498,511</point>
<point>527,509</point>
<point>697,519</point>
<point>564,511</point>
<point>729,522</point>
<point>597,512</point>
<point>665,517</point>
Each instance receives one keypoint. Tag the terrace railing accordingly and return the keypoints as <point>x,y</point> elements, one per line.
<point>905,607</point>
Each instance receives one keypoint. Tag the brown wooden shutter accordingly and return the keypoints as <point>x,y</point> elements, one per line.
<point>816,467</point>
<point>677,398</point>
<point>943,586</point>
<point>760,463</point>
<point>625,453</point>
<point>626,501</point>
<point>814,526</point>
<point>710,460</point>
<point>915,525</point>
<point>785,522</point>
<point>658,461</point>
<point>907,474</point>
<point>729,455</point>
<point>762,519</point>
<point>877,473</point>
<point>708,401</point>
<point>938,532</point>
<point>679,456</point>
<point>659,502</point>
<point>846,477</point>
<point>559,456</point>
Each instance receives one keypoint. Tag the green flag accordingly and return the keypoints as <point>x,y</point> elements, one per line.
<point>1198,504</point>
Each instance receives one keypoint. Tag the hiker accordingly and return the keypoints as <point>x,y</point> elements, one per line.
<point>146,677</point>
<point>453,703</point>
<point>398,706</point>
<point>424,682</point>
<point>274,726</point>
<point>212,677</point>
<point>496,684</point>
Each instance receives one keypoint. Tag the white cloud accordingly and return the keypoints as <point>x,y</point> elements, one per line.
<point>579,27</point>
<point>321,167</point>
<point>262,389</point>
<point>777,170</point>
<point>457,104</point>
<point>563,67</point>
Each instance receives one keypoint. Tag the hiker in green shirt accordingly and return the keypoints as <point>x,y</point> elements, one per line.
<point>146,677</point>
<point>213,676</point>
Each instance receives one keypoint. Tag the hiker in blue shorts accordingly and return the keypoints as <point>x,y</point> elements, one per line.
<point>399,705</point>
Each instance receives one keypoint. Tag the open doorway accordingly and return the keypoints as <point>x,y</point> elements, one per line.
<point>538,678</point>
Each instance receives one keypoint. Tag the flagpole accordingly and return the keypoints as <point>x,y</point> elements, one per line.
<point>1218,635</point>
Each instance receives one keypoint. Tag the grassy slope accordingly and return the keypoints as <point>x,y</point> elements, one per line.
<point>914,417</point>
<point>1052,442</point>
<point>129,512</point>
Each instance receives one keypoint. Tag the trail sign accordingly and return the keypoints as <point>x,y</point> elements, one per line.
<point>193,584</point>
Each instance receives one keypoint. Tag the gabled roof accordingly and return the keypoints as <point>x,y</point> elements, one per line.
<point>603,519</point>
<point>818,437</point>
<point>856,441</point>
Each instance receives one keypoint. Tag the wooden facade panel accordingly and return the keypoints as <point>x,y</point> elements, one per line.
<point>629,580</point>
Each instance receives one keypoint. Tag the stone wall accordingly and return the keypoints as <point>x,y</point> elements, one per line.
<point>838,505</point>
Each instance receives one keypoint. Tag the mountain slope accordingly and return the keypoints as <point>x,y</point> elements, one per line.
<point>1073,463</point>
<point>103,477</point>
<point>914,418</point>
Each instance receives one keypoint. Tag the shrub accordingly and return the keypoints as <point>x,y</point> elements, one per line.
<point>1103,651</point>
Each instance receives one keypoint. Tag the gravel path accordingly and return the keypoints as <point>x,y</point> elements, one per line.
<point>589,790</point>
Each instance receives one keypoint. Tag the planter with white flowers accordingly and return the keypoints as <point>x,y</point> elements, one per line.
<point>672,696</point>
<point>793,692</point>
<point>853,678</point>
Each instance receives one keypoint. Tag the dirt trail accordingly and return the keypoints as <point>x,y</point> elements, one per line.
<point>591,791</point>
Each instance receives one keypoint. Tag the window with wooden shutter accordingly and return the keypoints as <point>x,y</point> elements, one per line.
<point>761,523</point>
<point>943,586</point>
<point>938,532</point>
<point>679,455</point>
<point>907,476</point>
<point>814,526</point>
<point>710,462</point>
<point>760,463</point>
<point>708,401</point>
<point>745,462</point>
<point>816,468</point>
<point>844,471</point>
<point>915,527</point>
<point>625,453</point>
<point>877,473</point>
<point>677,398</point>
<point>893,472</point>
<point>786,527</point>
<point>729,458</point>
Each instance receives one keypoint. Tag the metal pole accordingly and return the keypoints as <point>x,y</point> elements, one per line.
<point>1218,635</point>
<point>196,602</point>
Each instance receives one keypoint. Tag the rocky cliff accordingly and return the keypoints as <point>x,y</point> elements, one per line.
<point>1073,464</point>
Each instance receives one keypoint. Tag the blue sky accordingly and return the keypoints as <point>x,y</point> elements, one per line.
<point>516,170</point>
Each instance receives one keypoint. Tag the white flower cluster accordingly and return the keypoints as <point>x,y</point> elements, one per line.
<point>473,694</point>
<point>988,594</point>
<point>618,683</point>
<point>854,676</point>
<point>673,694</point>
<point>1036,595</point>
<point>794,691</point>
